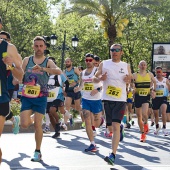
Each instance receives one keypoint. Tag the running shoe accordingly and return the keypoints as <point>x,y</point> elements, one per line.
<point>15,127</point>
<point>63,126</point>
<point>122,134</point>
<point>37,157</point>
<point>66,116</point>
<point>46,129</point>
<point>110,159</point>
<point>156,132</point>
<point>165,132</point>
<point>71,120</point>
<point>146,128</point>
<point>108,135</point>
<point>56,135</point>
<point>152,123</point>
<point>94,133</point>
<point>132,122</point>
<point>128,125</point>
<point>91,148</point>
<point>143,137</point>
<point>83,125</point>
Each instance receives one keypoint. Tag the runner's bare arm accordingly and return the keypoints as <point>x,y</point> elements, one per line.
<point>51,68</point>
<point>14,59</point>
<point>153,80</point>
<point>98,73</point>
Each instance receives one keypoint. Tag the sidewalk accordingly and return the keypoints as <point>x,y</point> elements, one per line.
<point>8,127</point>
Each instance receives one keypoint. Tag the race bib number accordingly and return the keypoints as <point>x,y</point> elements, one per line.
<point>143,92</point>
<point>115,92</point>
<point>88,87</point>
<point>71,81</point>
<point>0,88</point>
<point>159,93</point>
<point>130,95</point>
<point>168,99</point>
<point>31,91</point>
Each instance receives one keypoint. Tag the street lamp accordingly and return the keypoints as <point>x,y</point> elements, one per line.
<point>63,47</point>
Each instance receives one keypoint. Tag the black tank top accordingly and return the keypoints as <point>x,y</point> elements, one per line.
<point>4,96</point>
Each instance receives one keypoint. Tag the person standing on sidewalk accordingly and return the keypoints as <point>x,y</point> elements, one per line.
<point>8,58</point>
<point>143,81</point>
<point>35,90</point>
<point>115,74</point>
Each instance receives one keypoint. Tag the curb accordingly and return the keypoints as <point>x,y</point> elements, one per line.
<point>8,127</point>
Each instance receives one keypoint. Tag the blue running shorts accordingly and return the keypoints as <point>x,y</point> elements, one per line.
<point>36,104</point>
<point>94,106</point>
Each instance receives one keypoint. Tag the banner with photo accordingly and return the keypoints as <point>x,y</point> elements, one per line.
<point>161,57</point>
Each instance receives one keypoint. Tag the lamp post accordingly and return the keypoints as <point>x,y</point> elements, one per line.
<point>63,47</point>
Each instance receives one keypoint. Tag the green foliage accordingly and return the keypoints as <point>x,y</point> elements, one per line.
<point>24,21</point>
<point>15,105</point>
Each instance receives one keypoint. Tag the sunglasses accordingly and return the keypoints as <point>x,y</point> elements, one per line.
<point>115,49</point>
<point>89,60</point>
<point>4,39</point>
<point>158,72</point>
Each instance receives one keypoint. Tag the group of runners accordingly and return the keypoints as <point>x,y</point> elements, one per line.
<point>103,88</point>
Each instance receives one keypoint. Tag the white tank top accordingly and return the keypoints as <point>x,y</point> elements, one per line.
<point>53,90</point>
<point>89,86</point>
<point>114,88</point>
<point>161,88</point>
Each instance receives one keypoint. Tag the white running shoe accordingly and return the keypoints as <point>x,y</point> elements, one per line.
<point>46,129</point>
<point>156,132</point>
<point>165,132</point>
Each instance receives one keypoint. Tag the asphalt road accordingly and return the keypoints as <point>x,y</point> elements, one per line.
<point>67,153</point>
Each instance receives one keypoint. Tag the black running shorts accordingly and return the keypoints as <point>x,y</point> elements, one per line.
<point>114,111</point>
<point>4,109</point>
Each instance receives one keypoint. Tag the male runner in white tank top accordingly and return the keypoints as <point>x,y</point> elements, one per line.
<point>115,74</point>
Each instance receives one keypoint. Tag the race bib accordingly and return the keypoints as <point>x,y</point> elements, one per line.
<point>159,93</point>
<point>143,92</point>
<point>130,95</point>
<point>115,92</point>
<point>31,91</point>
<point>88,87</point>
<point>168,99</point>
<point>71,81</point>
<point>52,94</point>
<point>0,88</point>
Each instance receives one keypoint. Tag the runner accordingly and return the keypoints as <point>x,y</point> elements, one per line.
<point>91,100</point>
<point>34,93</point>
<point>115,74</point>
<point>160,101</point>
<point>9,58</point>
<point>143,81</point>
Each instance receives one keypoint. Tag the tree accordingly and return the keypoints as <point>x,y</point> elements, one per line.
<point>24,21</point>
<point>111,13</point>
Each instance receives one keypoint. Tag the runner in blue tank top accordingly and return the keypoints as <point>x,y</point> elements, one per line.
<point>72,74</point>
<point>8,57</point>
<point>34,93</point>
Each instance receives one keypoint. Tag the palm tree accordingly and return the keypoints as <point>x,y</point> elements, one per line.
<point>111,13</point>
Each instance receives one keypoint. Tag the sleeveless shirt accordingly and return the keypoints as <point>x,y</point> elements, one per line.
<point>4,96</point>
<point>114,87</point>
<point>35,83</point>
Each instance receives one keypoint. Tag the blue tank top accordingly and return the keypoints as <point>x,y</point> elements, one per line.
<point>4,96</point>
<point>72,77</point>
<point>37,78</point>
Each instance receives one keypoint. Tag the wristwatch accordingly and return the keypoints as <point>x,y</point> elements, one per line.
<point>11,67</point>
<point>98,89</point>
